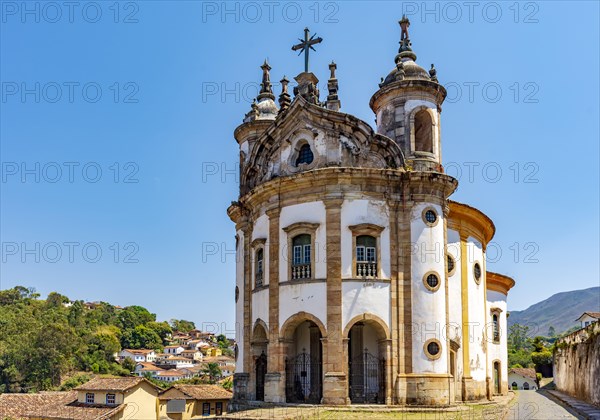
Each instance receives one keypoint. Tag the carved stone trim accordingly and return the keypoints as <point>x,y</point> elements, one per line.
<point>301,226</point>
<point>366,229</point>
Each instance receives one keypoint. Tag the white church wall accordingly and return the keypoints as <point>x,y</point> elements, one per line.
<point>359,211</point>
<point>260,306</point>
<point>359,298</point>
<point>428,308</point>
<point>239,306</point>
<point>302,297</point>
<point>477,308</point>
<point>454,287</point>
<point>313,212</point>
<point>497,351</point>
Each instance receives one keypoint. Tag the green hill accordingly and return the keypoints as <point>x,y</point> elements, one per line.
<point>559,311</point>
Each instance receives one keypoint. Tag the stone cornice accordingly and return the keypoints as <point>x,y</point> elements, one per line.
<point>405,86</point>
<point>469,221</point>
<point>366,229</point>
<point>384,184</point>
<point>498,282</point>
<point>304,226</point>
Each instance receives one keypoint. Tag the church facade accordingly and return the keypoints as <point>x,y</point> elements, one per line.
<point>358,280</point>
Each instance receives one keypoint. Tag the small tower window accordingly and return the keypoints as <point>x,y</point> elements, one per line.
<point>301,250</point>
<point>258,275</point>
<point>496,327</point>
<point>366,256</point>
<point>423,132</point>
<point>451,264</point>
<point>477,273</point>
<point>305,155</point>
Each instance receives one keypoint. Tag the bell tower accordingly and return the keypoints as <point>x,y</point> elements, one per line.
<point>408,105</point>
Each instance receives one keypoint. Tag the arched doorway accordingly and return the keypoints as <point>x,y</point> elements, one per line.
<point>303,367</point>
<point>526,385</point>
<point>259,353</point>
<point>366,364</point>
<point>497,378</point>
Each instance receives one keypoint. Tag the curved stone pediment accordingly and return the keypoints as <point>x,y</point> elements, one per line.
<point>334,139</point>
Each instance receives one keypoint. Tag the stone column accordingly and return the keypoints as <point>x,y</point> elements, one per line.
<point>467,380</point>
<point>242,379</point>
<point>404,390</point>
<point>335,384</point>
<point>275,377</point>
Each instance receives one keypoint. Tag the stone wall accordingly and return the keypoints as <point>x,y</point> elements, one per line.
<point>577,364</point>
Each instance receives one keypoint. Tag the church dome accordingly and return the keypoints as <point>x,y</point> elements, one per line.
<point>412,71</point>
<point>267,109</point>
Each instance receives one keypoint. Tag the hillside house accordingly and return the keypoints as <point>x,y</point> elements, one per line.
<point>588,318</point>
<point>522,379</point>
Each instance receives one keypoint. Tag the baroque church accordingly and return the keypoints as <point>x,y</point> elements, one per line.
<point>358,279</point>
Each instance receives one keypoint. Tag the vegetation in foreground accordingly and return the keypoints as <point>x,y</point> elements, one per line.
<point>58,344</point>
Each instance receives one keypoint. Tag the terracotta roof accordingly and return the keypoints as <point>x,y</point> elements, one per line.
<point>19,405</point>
<point>77,411</point>
<point>173,347</point>
<point>148,366</point>
<point>201,392</point>
<point>120,384</point>
<point>592,314</point>
<point>141,351</point>
<point>525,372</point>
<point>172,372</point>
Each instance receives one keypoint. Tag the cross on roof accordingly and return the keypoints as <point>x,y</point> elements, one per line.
<point>305,45</point>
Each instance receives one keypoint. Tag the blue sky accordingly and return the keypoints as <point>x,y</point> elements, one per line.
<point>120,122</point>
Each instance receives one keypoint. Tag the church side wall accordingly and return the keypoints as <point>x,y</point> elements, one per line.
<point>429,308</point>
<point>239,305</point>
<point>477,319</point>
<point>497,351</point>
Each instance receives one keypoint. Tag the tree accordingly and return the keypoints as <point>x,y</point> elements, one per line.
<point>213,371</point>
<point>551,331</point>
<point>163,329</point>
<point>133,316</point>
<point>517,336</point>
<point>141,337</point>
<point>182,325</point>
<point>55,300</point>
<point>128,364</point>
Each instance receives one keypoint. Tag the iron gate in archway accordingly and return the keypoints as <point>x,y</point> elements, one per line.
<point>367,379</point>
<point>261,371</point>
<point>303,382</point>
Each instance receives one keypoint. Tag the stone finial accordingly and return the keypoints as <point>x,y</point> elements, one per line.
<point>433,73</point>
<point>307,87</point>
<point>333,101</point>
<point>400,70</point>
<point>285,99</point>
<point>405,50</point>
<point>266,91</point>
<point>253,113</point>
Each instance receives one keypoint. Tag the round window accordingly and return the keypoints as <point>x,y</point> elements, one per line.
<point>451,264</point>
<point>431,281</point>
<point>433,349</point>
<point>430,216</point>
<point>477,272</point>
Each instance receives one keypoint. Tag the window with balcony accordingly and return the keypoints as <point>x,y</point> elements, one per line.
<point>259,267</point>
<point>366,256</point>
<point>301,257</point>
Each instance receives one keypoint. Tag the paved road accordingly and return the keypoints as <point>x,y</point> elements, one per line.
<point>532,405</point>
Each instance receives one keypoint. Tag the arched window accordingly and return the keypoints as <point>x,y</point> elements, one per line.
<point>258,274</point>
<point>301,251</point>
<point>423,131</point>
<point>305,155</point>
<point>366,256</point>
<point>496,327</point>
<point>514,385</point>
<point>526,385</point>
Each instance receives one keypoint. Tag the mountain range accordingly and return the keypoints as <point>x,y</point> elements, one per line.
<point>559,311</point>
